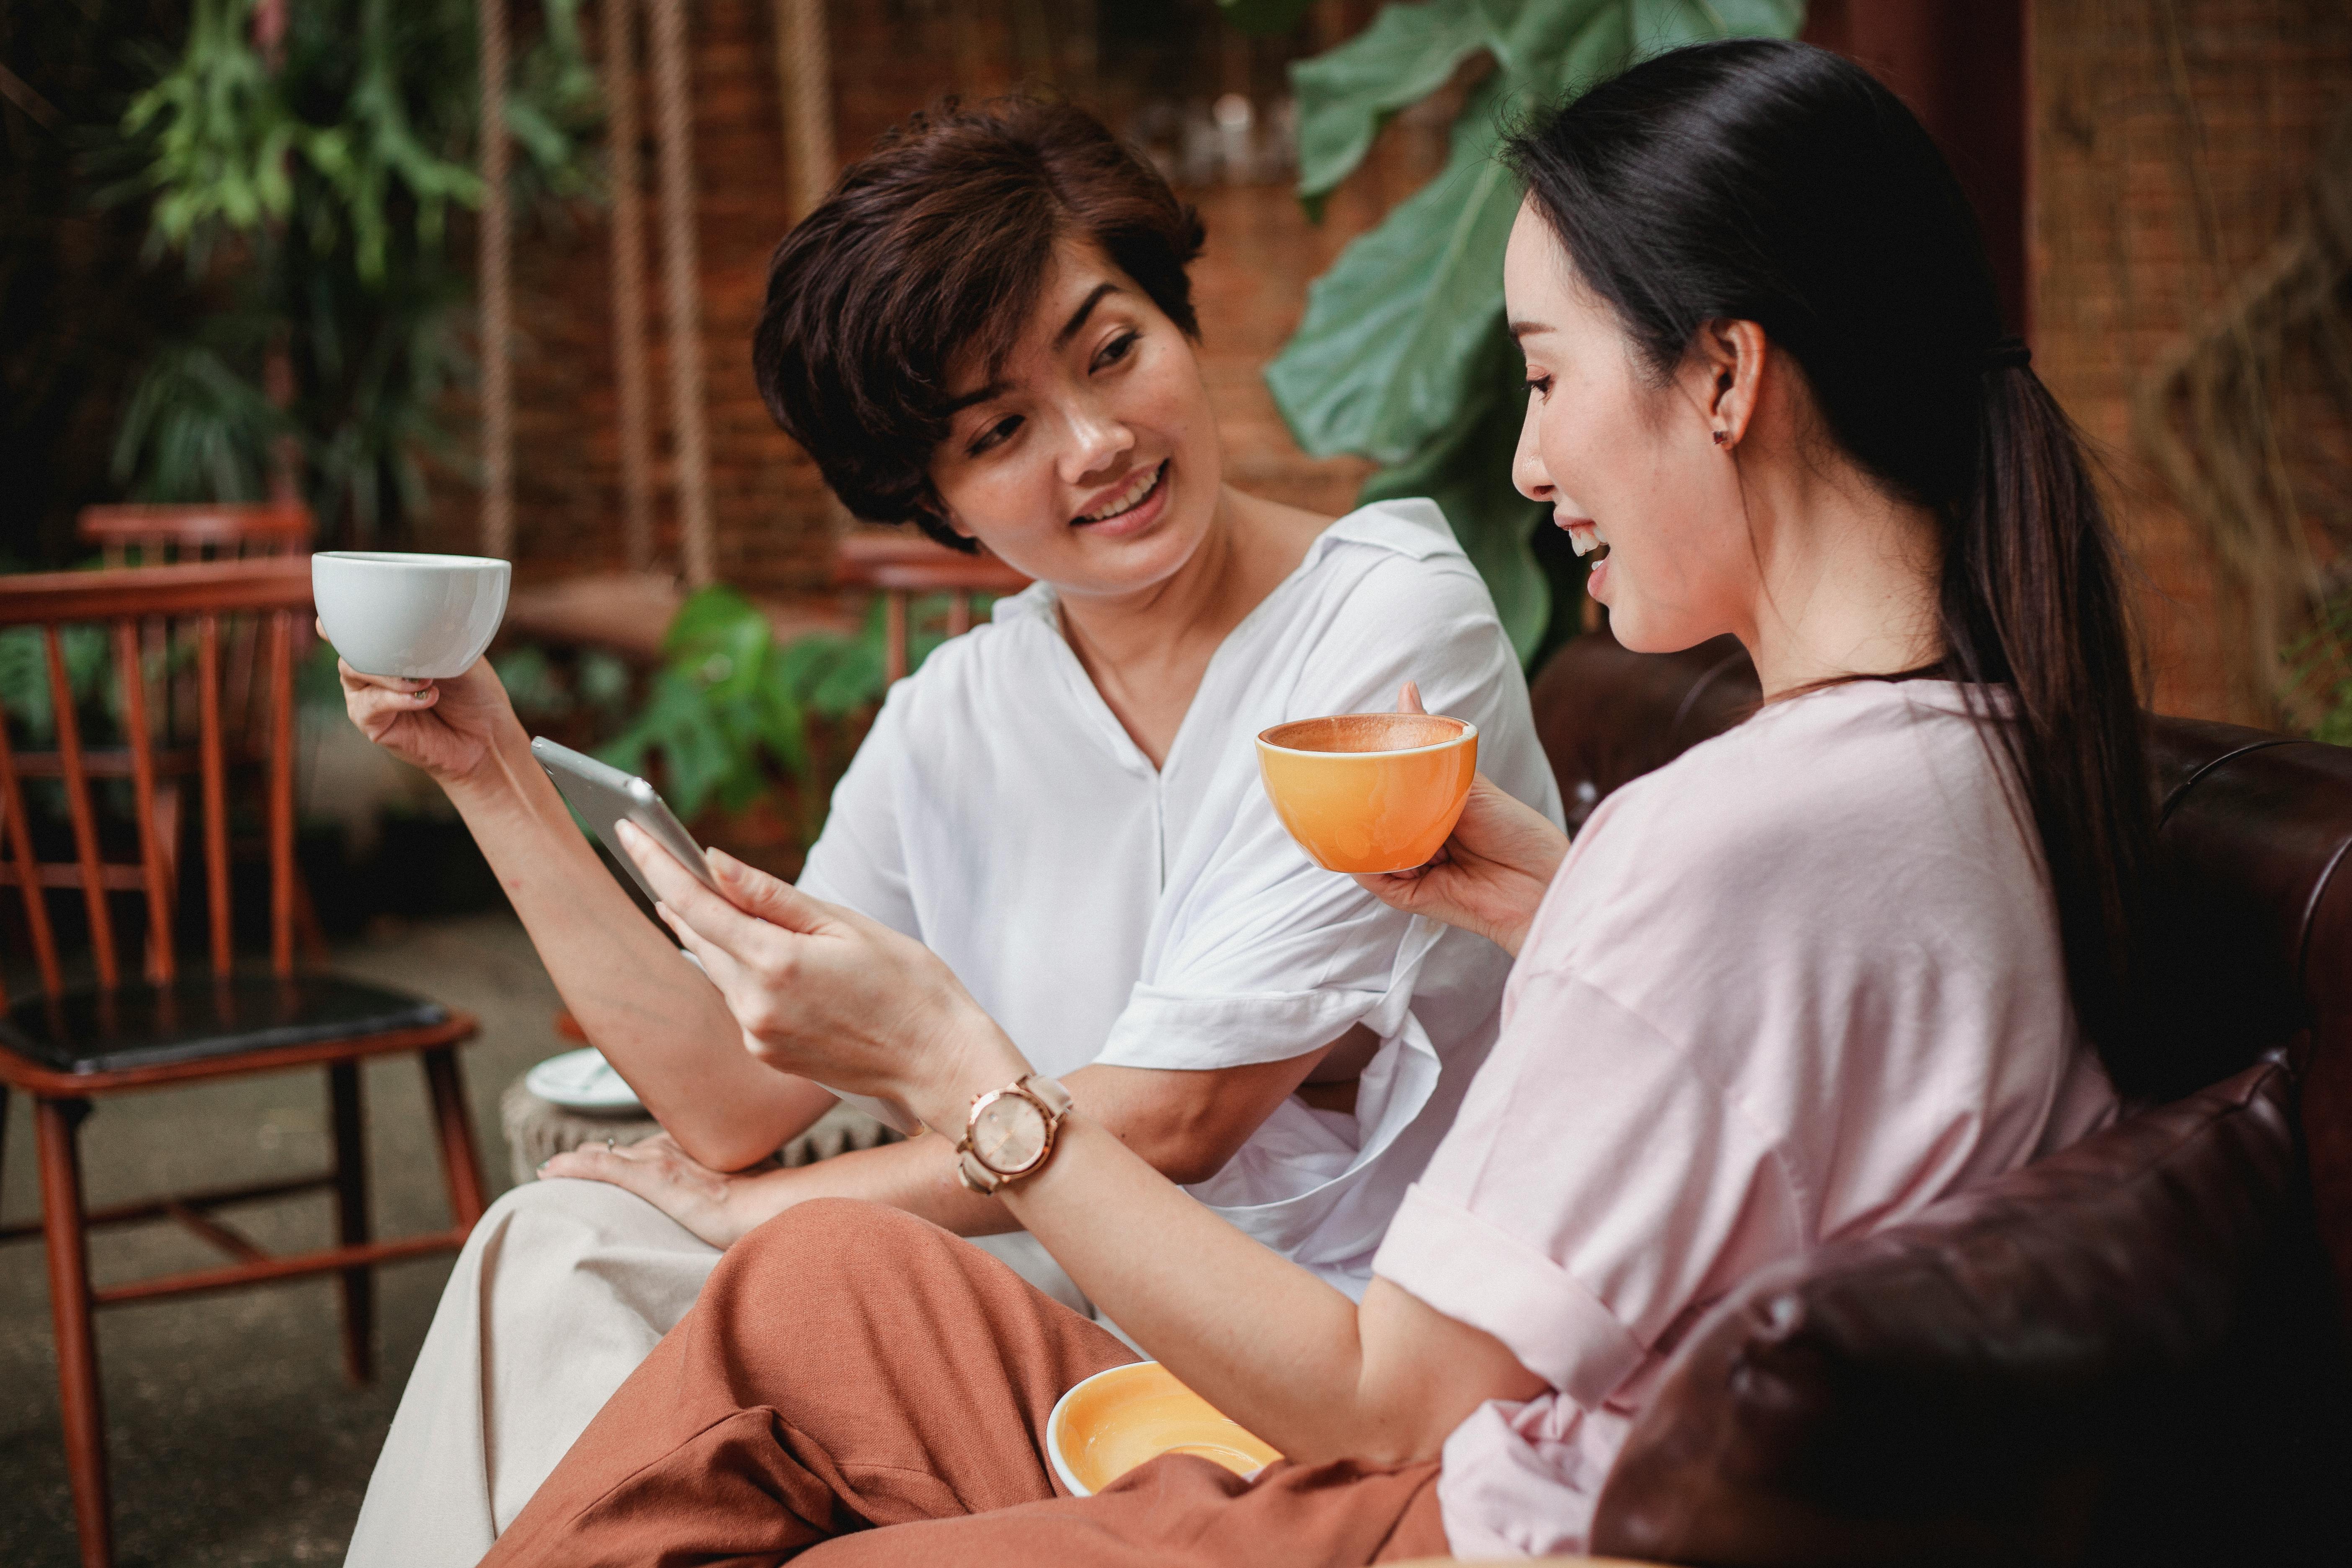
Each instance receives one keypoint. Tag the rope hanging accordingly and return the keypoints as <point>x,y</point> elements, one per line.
<point>629,283</point>
<point>681,273</point>
<point>805,79</point>
<point>498,298</point>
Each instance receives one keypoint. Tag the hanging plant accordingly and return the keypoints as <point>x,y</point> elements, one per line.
<point>1402,356</point>
<point>314,195</point>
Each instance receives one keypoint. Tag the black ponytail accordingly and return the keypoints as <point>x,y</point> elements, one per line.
<point>1770,182</point>
<point>2032,601</point>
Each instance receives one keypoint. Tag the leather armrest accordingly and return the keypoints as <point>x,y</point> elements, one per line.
<point>2112,1355</point>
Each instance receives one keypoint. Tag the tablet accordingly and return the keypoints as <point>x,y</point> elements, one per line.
<point>603,795</point>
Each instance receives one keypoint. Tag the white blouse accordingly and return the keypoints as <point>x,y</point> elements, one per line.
<point>1104,910</point>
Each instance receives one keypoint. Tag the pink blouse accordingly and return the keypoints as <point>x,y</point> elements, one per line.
<point>1795,987</point>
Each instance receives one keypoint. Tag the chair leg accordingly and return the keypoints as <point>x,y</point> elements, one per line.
<point>356,1286</point>
<point>57,1124</point>
<point>455,1125</point>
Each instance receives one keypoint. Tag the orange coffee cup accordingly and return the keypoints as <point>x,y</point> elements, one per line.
<point>1370,792</point>
<point>1129,1416</point>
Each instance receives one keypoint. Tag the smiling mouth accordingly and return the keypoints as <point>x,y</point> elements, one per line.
<point>1139,492</point>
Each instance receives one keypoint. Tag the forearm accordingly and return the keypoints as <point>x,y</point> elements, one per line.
<point>917,1176</point>
<point>663,1026</point>
<point>1185,1125</point>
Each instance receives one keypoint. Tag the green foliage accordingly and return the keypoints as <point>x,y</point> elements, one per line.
<point>731,710</point>
<point>1402,356</point>
<point>24,692</point>
<point>317,199</point>
<point>2319,665</point>
<point>195,416</point>
<point>597,686</point>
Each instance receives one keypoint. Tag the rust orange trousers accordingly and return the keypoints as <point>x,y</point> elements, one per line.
<point>856,1388</point>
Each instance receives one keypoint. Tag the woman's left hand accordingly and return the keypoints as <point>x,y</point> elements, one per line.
<point>825,992</point>
<point>719,1207</point>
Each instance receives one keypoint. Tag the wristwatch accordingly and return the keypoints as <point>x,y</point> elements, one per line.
<point>1010,1133</point>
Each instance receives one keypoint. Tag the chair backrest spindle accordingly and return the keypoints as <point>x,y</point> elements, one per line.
<point>216,791</point>
<point>28,865</point>
<point>245,673</point>
<point>78,808</point>
<point>131,666</point>
<point>281,793</point>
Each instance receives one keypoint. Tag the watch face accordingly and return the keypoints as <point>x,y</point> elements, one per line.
<point>1008,1134</point>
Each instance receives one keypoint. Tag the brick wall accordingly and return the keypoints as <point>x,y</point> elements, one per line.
<point>774,521</point>
<point>2169,140</point>
<point>2173,141</point>
<point>765,494</point>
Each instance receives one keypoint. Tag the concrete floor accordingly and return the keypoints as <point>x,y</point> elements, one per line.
<point>234,1438</point>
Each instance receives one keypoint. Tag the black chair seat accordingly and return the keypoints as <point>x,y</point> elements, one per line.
<point>93,1030</point>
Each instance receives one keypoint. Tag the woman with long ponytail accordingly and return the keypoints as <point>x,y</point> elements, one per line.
<point>1863,950</point>
<point>1802,196</point>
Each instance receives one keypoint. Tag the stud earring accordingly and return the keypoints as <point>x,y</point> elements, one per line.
<point>1723,437</point>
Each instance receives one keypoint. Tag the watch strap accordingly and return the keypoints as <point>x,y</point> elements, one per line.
<point>974,1175</point>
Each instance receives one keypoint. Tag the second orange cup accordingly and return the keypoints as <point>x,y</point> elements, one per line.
<point>1370,792</point>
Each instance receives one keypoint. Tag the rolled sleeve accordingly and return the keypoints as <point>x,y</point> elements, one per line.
<point>1478,1274</point>
<point>1595,1184</point>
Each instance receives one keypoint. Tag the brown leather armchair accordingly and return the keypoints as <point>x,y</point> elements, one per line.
<point>2131,1353</point>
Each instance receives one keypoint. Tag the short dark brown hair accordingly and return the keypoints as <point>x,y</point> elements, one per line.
<point>931,250</point>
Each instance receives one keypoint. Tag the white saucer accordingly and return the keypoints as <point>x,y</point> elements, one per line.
<point>582,1081</point>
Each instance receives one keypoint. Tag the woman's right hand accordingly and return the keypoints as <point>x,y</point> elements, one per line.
<point>449,728</point>
<point>1490,875</point>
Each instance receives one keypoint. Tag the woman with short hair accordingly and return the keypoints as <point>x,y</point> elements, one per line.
<point>1859,953</point>
<point>988,329</point>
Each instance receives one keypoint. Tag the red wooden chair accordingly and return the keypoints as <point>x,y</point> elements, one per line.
<point>166,535</point>
<point>162,535</point>
<point>85,1034</point>
<point>901,567</point>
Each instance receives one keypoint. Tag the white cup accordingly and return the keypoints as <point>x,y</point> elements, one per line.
<point>422,617</point>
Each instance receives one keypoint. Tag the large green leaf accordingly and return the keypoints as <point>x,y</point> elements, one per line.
<point>721,638</point>
<point>1346,93</point>
<point>1467,470</point>
<point>1550,44</point>
<point>1383,360</point>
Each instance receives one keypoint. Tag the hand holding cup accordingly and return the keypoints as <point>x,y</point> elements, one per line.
<point>1491,873</point>
<point>410,631</point>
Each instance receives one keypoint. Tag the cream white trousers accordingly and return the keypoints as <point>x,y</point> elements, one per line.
<point>564,1287</point>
